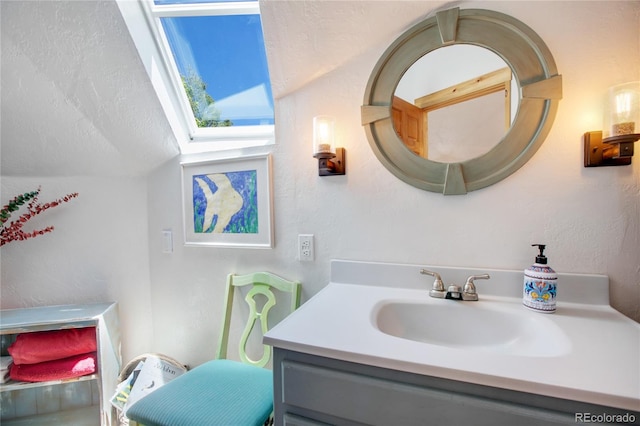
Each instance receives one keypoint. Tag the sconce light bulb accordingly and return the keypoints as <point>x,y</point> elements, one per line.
<point>622,115</point>
<point>323,134</point>
<point>623,103</point>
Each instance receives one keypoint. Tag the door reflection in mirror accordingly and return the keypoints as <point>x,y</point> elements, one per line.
<point>455,103</point>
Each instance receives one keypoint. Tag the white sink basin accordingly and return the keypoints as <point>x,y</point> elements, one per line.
<point>480,325</point>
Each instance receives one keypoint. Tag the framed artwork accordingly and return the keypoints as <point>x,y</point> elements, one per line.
<point>227,203</point>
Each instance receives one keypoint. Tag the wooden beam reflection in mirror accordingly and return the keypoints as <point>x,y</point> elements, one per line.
<point>482,85</point>
<point>411,120</point>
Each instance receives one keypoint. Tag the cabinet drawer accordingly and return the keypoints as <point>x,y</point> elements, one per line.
<point>293,420</point>
<point>380,401</point>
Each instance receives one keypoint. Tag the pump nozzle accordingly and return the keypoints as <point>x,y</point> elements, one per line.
<point>541,258</point>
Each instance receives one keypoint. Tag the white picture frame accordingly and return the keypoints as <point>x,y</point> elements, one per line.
<point>228,202</point>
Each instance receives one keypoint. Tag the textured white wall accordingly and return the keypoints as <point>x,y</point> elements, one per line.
<point>69,63</point>
<point>96,253</point>
<point>589,218</point>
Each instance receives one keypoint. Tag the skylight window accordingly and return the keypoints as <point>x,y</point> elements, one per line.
<point>226,81</point>
<point>213,66</point>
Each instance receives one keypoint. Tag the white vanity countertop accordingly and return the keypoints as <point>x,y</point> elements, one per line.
<point>600,366</point>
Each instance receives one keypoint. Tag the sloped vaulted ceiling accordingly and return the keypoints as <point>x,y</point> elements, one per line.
<point>75,97</point>
<point>306,39</point>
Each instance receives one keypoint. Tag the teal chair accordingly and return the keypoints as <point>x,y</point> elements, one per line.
<point>221,391</point>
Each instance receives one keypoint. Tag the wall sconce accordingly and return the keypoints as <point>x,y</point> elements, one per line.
<point>614,145</point>
<point>330,158</point>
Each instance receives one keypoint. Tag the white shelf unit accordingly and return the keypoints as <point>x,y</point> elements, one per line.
<point>80,401</point>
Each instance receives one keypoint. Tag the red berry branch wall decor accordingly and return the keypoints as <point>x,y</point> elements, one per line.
<point>12,230</point>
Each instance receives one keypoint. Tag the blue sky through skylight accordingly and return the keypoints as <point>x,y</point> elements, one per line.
<point>228,54</point>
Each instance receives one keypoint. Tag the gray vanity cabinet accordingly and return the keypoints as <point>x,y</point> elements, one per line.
<point>313,390</point>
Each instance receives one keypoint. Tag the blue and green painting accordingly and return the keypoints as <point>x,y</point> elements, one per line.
<point>226,202</point>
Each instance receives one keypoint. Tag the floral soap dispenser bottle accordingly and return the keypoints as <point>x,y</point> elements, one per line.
<point>540,281</point>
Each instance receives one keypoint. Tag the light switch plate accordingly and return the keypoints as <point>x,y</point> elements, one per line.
<point>167,241</point>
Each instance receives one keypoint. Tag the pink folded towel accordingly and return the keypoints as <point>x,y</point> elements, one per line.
<point>61,369</point>
<point>32,348</point>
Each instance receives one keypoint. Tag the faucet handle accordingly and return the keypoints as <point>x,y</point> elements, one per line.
<point>469,290</point>
<point>438,289</point>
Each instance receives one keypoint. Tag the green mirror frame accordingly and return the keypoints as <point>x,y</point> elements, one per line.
<point>524,52</point>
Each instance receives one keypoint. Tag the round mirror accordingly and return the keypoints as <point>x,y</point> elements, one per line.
<point>461,100</point>
<point>450,86</point>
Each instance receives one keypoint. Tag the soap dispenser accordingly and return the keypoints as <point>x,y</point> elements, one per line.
<point>540,281</point>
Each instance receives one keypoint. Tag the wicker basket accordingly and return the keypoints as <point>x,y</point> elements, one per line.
<point>128,369</point>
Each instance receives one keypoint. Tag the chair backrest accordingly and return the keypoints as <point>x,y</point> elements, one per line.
<point>261,283</point>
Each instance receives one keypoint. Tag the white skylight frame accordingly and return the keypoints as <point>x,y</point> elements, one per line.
<point>143,18</point>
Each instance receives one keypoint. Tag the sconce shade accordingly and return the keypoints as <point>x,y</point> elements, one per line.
<point>613,146</point>
<point>324,136</point>
<point>622,111</point>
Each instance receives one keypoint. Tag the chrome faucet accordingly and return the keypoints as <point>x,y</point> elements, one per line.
<point>469,290</point>
<point>438,286</point>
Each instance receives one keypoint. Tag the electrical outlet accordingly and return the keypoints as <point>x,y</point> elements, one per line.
<point>305,247</point>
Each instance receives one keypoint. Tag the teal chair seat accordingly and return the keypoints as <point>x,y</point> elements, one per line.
<point>223,392</point>
<point>221,389</point>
